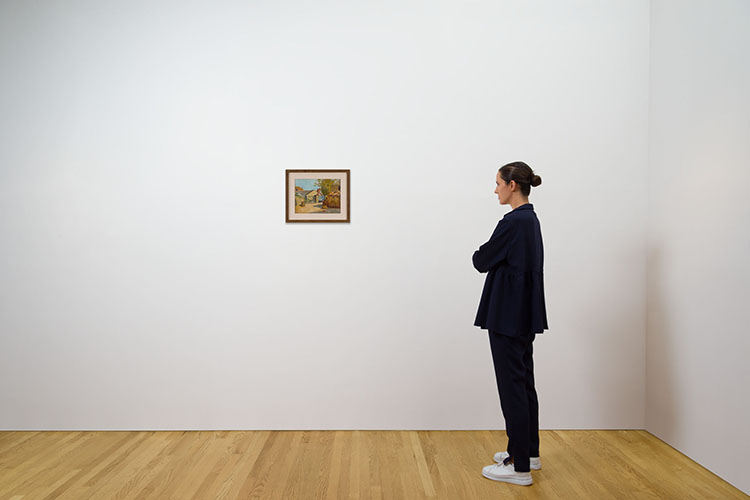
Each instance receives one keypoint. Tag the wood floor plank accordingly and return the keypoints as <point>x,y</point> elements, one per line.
<point>421,461</point>
<point>334,465</point>
<point>12,439</point>
<point>334,471</point>
<point>34,462</point>
<point>122,466</point>
<point>111,446</point>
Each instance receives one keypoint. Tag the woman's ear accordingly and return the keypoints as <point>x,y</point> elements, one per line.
<point>512,185</point>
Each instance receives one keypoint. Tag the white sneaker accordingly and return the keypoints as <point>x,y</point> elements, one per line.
<point>534,462</point>
<point>507,474</point>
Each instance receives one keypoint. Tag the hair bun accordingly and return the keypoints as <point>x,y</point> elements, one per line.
<point>536,180</point>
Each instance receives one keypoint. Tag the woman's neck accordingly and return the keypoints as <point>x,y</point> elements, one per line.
<point>518,202</point>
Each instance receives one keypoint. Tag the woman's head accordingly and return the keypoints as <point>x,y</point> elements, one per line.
<point>515,180</point>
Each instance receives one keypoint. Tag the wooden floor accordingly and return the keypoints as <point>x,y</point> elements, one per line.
<point>341,464</point>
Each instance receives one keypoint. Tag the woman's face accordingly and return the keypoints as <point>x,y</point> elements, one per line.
<point>503,190</point>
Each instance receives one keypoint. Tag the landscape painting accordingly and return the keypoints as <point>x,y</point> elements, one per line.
<point>317,195</point>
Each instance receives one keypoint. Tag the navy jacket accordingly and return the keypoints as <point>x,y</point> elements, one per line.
<point>513,297</point>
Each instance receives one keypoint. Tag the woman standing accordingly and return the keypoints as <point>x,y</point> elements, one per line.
<point>513,310</point>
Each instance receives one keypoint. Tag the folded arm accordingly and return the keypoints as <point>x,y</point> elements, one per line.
<point>495,250</point>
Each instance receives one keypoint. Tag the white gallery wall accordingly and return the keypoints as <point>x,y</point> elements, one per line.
<point>148,279</point>
<point>699,233</point>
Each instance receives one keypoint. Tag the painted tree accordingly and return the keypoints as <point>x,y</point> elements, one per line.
<point>328,185</point>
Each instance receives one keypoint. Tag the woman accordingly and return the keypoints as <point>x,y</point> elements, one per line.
<point>513,310</point>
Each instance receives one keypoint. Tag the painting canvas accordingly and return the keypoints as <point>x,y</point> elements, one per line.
<point>317,195</point>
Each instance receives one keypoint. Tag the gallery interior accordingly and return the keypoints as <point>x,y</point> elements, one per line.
<point>167,330</point>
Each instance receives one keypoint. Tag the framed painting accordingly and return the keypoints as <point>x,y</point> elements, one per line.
<point>317,196</point>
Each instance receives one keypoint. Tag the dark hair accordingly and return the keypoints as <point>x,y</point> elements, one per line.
<point>521,173</point>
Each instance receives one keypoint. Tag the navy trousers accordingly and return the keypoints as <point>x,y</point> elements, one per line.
<point>514,371</point>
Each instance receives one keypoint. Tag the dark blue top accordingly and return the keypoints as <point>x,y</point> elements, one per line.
<point>513,296</point>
